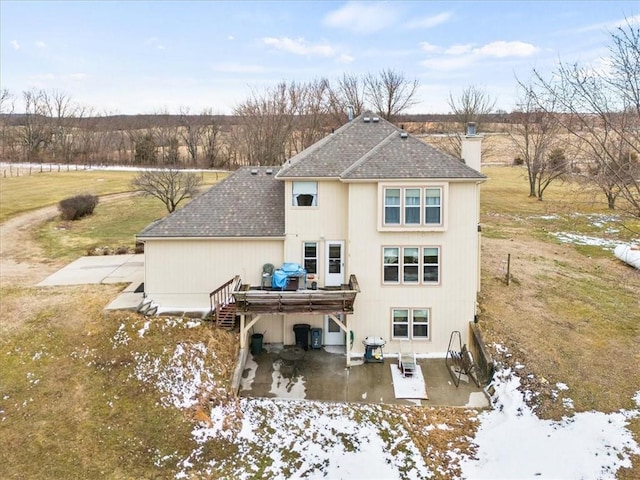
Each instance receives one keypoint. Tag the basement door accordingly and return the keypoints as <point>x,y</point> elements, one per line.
<point>333,334</point>
<point>334,276</point>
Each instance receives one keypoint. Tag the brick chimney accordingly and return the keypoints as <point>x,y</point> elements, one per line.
<point>471,147</point>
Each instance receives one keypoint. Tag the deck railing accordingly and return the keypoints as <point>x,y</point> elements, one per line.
<point>223,295</point>
<point>322,301</point>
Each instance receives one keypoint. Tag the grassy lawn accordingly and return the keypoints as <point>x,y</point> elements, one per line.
<point>28,192</point>
<point>112,225</point>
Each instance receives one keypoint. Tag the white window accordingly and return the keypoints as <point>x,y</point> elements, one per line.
<point>310,257</point>
<point>305,194</point>
<point>410,323</point>
<point>402,265</point>
<point>412,207</point>
<point>430,265</point>
<point>391,265</point>
<point>392,206</point>
<point>433,206</point>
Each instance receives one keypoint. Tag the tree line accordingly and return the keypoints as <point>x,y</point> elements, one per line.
<point>578,112</point>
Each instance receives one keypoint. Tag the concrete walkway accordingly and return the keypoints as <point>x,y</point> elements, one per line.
<point>104,269</point>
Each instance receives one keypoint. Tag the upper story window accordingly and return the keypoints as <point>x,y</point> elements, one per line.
<point>305,194</point>
<point>412,207</point>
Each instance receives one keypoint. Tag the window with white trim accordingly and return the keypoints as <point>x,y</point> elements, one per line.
<point>305,194</point>
<point>410,323</point>
<point>412,207</point>
<point>391,264</point>
<point>392,206</point>
<point>411,265</point>
<point>432,206</point>
<point>310,257</point>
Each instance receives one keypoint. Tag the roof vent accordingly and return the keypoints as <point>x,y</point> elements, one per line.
<point>366,119</point>
<point>375,119</point>
<point>254,171</point>
<point>269,171</point>
<point>404,134</point>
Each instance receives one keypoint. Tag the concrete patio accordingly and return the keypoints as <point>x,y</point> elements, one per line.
<point>322,375</point>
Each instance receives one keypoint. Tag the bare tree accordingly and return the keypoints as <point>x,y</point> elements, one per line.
<point>310,106</point>
<point>602,109</point>
<point>169,185</point>
<point>390,93</point>
<point>211,140</point>
<point>266,122</point>
<point>472,105</point>
<point>349,93</point>
<point>191,133</point>
<point>7,107</point>
<point>35,134</point>
<point>534,135</point>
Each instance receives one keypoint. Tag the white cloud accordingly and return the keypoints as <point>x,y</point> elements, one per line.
<point>456,57</point>
<point>345,59</point>
<point>429,48</point>
<point>362,17</point>
<point>299,46</point>
<point>231,37</point>
<point>459,49</point>
<point>15,44</point>
<point>238,68</point>
<point>40,44</point>
<point>429,22</point>
<point>78,76</point>
<point>503,49</point>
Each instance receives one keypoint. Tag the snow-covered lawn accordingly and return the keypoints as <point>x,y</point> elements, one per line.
<point>294,439</point>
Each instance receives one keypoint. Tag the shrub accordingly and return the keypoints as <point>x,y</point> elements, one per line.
<point>518,161</point>
<point>74,208</point>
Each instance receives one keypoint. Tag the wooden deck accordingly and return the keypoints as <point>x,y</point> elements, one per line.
<point>322,301</point>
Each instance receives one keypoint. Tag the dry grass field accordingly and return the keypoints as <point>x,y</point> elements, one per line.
<point>73,403</point>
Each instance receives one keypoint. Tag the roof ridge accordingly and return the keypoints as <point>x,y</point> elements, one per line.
<point>312,148</point>
<point>362,159</point>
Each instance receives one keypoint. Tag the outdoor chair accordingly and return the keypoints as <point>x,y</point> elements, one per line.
<point>267,275</point>
<point>406,363</point>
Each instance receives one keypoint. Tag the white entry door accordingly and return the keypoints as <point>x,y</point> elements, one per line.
<point>334,275</point>
<point>333,334</point>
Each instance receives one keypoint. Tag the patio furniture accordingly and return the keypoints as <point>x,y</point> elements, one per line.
<point>291,356</point>
<point>406,363</point>
<point>267,275</point>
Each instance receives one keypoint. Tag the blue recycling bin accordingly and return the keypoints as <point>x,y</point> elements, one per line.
<point>316,338</point>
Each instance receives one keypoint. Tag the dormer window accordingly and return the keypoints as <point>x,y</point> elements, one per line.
<point>305,194</point>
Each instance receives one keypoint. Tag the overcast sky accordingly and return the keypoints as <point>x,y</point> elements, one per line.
<point>145,57</point>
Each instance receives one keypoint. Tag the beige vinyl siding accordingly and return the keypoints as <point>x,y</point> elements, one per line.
<point>451,302</point>
<point>182,273</point>
<point>327,221</point>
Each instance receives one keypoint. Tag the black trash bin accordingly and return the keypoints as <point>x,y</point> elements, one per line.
<point>301,331</point>
<point>256,343</point>
<point>316,338</point>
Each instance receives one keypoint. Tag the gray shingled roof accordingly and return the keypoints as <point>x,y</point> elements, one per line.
<point>241,205</point>
<point>374,150</point>
<point>252,205</point>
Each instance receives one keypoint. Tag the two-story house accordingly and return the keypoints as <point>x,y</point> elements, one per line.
<point>385,226</point>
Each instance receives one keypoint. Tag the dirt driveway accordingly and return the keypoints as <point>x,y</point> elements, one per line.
<point>22,261</point>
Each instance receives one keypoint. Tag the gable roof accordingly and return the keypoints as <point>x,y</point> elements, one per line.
<point>367,149</point>
<point>242,205</point>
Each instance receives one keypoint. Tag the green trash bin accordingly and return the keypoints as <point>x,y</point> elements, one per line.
<point>256,343</point>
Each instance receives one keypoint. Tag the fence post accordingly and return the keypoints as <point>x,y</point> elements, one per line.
<point>508,268</point>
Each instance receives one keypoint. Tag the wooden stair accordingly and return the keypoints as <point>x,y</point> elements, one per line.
<point>225,316</point>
